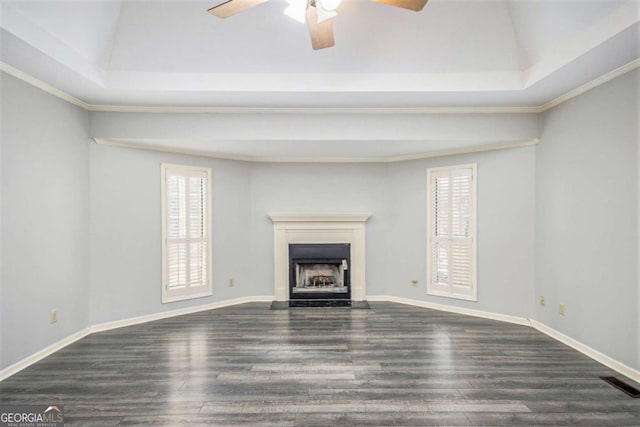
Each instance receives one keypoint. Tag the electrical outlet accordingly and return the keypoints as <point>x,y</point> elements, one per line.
<point>562,309</point>
<point>232,282</point>
<point>53,316</point>
<point>414,282</point>
<point>543,302</point>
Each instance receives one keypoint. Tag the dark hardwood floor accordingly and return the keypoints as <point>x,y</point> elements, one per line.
<point>391,365</point>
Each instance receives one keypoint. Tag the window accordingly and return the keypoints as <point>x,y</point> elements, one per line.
<point>451,232</point>
<point>186,235</point>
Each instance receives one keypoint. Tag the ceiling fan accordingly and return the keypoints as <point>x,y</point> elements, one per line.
<point>317,14</point>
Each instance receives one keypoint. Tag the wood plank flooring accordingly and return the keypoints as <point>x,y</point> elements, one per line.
<point>391,365</point>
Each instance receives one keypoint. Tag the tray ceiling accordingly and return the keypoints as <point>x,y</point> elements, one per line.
<point>461,53</point>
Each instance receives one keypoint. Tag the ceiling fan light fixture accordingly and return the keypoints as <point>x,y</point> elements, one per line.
<point>297,10</point>
<point>324,14</point>
<point>329,4</point>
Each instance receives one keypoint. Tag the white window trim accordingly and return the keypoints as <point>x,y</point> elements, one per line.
<point>473,296</point>
<point>166,297</point>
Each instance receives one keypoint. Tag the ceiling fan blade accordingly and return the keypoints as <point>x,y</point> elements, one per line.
<point>415,5</point>
<point>322,33</point>
<point>232,7</point>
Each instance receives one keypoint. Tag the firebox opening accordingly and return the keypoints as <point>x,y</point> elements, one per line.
<point>313,277</point>
<point>319,271</point>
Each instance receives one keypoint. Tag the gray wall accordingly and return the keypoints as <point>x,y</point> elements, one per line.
<point>587,218</point>
<point>320,188</point>
<point>638,216</point>
<point>126,224</point>
<point>505,185</point>
<point>280,187</point>
<point>80,223</point>
<point>45,219</point>
<point>1,221</point>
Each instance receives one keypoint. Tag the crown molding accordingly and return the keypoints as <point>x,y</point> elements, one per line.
<point>568,49</point>
<point>43,86</point>
<point>4,67</point>
<point>312,110</point>
<point>467,150</point>
<point>591,85</point>
<point>266,159</point>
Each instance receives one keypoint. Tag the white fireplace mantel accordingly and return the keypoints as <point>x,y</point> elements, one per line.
<point>319,217</point>
<point>318,228</point>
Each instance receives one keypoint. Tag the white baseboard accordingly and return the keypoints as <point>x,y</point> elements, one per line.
<point>39,355</point>
<point>575,344</point>
<point>451,309</point>
<point>607,361</point>
<point>35,357</point>
<point>100,327</point>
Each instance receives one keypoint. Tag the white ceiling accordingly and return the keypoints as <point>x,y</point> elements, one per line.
<point>452,53</point>
<point>516,55</point>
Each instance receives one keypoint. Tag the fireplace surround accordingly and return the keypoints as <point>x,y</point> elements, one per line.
<point>317,229</point>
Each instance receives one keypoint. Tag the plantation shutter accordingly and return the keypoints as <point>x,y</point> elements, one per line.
<point>451,232</point>
<point>441,188</point>
<point>186,232</point>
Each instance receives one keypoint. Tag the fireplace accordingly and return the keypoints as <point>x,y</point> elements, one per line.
<point>319,273</point>
<point>342,229</point>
